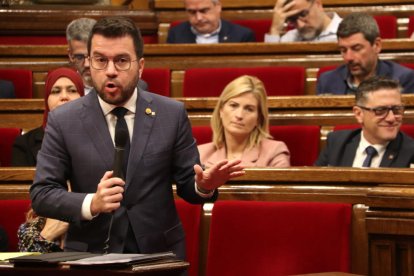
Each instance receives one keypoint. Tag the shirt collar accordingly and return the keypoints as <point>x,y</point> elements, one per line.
<point>363,144</point>
<point>216,32</point>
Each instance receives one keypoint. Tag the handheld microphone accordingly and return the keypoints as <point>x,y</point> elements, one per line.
<point>121,136</point>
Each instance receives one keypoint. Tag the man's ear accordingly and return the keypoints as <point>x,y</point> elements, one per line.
<point>377,45</point>
<point>359,115</point>
<point>141,64</point>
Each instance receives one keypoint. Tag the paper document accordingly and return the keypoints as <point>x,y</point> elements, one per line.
<point>115,258</point>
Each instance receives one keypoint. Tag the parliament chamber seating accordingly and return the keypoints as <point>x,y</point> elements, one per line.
<point>387,25</point>
<point>190,215</point>
<point>278,238</point>
<point>158,80</point>
<point>12,215</point>
<point>302,141</point>
<point>22,80</point>
<point>7,137</point>
<point>202,134</point>
<point>278,80</point>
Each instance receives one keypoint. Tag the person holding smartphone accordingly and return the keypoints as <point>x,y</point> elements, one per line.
<point>302,20</point>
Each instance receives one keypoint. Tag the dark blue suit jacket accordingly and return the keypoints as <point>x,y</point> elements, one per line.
<point>341,148</point>
<point>335,81</point>
<point>229,32</point>
<point>77,146</point>
<point>6,89</point>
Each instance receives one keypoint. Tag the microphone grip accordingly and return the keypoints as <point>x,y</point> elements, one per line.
<point>119,163</point>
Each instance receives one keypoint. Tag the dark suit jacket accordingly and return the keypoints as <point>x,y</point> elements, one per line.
<point>77,147</point>
<point>6,89</point>
<point>341,148</point>
<point>335,81</point>
<point>26,147</point>
<point>229,32</point>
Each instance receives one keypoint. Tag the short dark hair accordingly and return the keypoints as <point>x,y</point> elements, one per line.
<point>373,84</point>
<point>118,26</point>
<point>359,23</point>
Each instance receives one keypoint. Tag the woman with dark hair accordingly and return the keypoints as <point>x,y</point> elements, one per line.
<point>62,85</point>
<point>40,234</point>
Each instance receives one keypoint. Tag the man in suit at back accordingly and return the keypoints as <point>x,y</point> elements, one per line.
<point>205,26</point>
<point>359,43</point>
<point>133,212</point>
<point>7,89</point>
<point>379,142</point>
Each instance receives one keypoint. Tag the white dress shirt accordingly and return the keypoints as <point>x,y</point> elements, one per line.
<point>361,153</point>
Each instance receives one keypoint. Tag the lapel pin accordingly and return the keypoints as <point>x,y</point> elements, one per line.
<point>148,111</point>
<point>391,156</point>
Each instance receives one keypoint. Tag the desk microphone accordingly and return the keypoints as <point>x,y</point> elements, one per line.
<point>121,138</point>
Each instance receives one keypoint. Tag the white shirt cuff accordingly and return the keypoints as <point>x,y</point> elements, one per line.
<point>203,195</point>
<point>272,38</point>
<point>86,207</point>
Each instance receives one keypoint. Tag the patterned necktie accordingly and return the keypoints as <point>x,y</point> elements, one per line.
<point>371,152</point>
<point>121,125</point>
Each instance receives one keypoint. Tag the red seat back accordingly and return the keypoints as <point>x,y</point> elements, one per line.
<point>190,216</point>
<point>158,80</point>
<point>302,142</point>
<point>259,26</point>
<point>22,81</point>
<point>278,238</point>
<point>387,25</point>
<point>7,137</point>
<point>150,39</point>
<point>202,134</point>
<point>33,40</point>
<point>11,219</point>
<point>210,82</point>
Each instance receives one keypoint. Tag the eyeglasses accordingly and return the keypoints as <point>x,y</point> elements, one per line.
<point>79,58</point>
<point>300,15</point>
<point>382,111</point>
<point>121,63</point>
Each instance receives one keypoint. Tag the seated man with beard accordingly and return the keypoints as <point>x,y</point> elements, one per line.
<point>359,43</point>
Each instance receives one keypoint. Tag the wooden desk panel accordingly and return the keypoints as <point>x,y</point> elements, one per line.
<point>383,201</point>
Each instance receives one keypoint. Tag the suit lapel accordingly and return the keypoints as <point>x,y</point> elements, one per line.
<point>144,119</point>
<point>391,152</point>
<point>350,151</point>
<point>96,128</point>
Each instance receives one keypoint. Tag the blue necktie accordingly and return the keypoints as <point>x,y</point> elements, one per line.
<point>371,152</point>
<point>120,112</point>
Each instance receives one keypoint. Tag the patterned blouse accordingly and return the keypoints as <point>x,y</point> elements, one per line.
<point>30,239</point>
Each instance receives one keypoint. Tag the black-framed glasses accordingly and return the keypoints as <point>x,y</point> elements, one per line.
<point>121,63</point>
<point>382,111</point>
<point>303,14</point>
<point>79,58</point>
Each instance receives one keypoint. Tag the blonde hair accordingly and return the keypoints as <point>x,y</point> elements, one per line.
<point>241,85</point>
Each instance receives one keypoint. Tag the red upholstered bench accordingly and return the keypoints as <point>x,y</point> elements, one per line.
<point>7,137</point>
<point>278,238</point>
<point>12,215</point>
<point>278,80</point>
<point>190,216</point>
